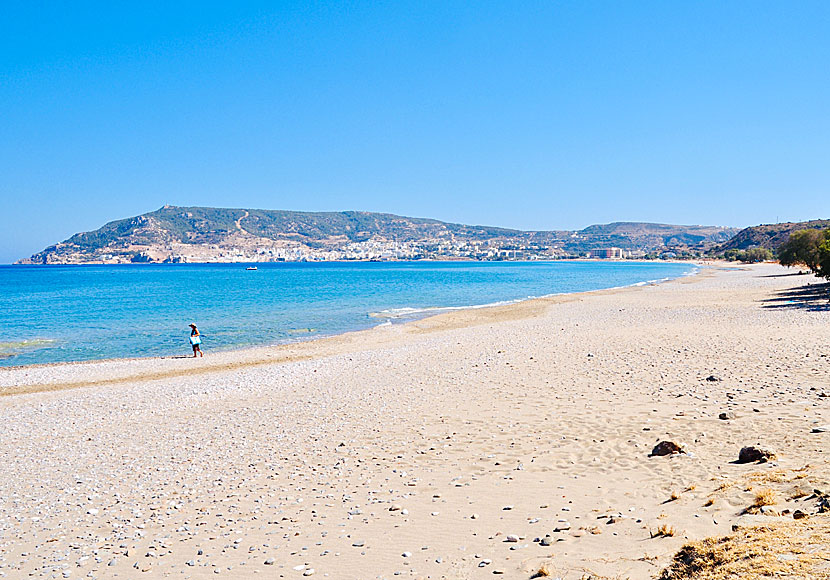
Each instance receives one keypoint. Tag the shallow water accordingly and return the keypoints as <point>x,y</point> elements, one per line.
<point>72,313</point>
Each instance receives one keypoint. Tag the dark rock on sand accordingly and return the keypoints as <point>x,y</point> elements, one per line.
<point>752,454</point>
<point>666,448</point>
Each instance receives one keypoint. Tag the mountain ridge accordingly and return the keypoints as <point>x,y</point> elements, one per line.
<point>204,234</point>
<point>769,236</point>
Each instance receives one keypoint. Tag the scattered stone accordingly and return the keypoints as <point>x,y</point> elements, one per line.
<point>752,454</point>
<point>562,526</point>
<point>407,554</point>
<point>666,448</point>
<point>359,544</point>
<point>395,507</point>
<point>546,541</point>
<point>268,562</point>
<point>712,379</point>
<point>821,429</point>
<point>511,538</point>
<point>798,514</point>
<point>726,415</point>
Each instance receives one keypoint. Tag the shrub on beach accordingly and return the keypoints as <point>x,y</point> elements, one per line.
<point>802,249</point>
<point>809,248</point>
<point>824,256</point>
<point>749,256</point>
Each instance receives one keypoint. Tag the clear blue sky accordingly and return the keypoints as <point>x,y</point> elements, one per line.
<point>533,115</point>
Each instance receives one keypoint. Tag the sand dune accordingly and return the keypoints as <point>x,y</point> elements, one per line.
<point>445,448</point>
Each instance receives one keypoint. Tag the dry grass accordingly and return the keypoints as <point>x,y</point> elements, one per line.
<point>544,571</point>
<point>772,476</point>
<point>800,485</point>
<point>765,496</point>
<point>723,486</point>
<point>664,531</point>
<point>792,549</point>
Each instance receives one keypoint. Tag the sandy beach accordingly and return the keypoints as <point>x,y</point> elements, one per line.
<point>512,441</point>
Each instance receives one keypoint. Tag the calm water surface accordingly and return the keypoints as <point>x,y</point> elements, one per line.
<point>72,313</point>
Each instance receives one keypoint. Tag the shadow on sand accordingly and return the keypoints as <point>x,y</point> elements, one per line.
<point>787,275</point>
<point>815,297</point>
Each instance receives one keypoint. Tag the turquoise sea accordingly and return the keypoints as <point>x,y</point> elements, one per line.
<point>71,313</point>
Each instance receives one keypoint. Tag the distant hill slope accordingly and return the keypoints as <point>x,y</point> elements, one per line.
<point>200,234</point>
<point>769,236</point>
<point>657,235</point>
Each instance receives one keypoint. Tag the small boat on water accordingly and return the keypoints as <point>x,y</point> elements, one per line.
<point>251,268</point>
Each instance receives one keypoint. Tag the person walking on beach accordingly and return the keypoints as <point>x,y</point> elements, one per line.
<point>195,340</point>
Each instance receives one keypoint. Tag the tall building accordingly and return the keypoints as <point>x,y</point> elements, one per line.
<point>608,253</point>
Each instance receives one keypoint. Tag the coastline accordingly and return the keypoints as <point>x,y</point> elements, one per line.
<point>449,447</point>
<point>85,342</point>
<point>22,379</point>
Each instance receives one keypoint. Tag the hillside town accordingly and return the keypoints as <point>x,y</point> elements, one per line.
<point>370,250</point>
<point>216,235</point>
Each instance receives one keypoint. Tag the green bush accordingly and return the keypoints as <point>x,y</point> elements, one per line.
<point>802,248</point>
<point>749,256</point>
<point>823,266</point>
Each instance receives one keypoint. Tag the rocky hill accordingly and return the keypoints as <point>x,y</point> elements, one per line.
<point>769,236</point>
<point>200,234</point>
<point>652,236</point>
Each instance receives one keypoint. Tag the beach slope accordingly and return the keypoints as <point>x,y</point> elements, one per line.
<point>514,441</point>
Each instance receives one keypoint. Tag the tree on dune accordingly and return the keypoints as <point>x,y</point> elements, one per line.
<point>802,248</point>
<point>824,256</point>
